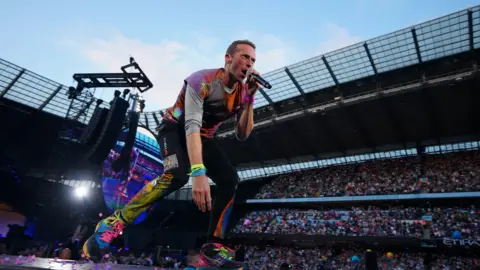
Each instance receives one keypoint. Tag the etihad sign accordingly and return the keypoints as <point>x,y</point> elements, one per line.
<point>461,242</point>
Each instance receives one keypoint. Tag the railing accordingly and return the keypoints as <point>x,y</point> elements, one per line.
<point>393,197</point>
<point>387,90</point>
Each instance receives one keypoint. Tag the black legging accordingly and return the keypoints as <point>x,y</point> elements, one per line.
<point>176,163</point>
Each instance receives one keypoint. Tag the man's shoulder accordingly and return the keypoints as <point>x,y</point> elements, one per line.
<point>200,77</point>
<point>211,72</point>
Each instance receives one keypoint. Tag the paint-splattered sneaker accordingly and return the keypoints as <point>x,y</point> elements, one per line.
<point>218,256</point>
<point>105,232</point>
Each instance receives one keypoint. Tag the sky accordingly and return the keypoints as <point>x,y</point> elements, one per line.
<point>172,39</point>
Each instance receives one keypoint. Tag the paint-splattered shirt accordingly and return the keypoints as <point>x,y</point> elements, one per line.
<point>204,103</point>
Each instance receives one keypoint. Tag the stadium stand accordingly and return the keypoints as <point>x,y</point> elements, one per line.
<point>452,172</point>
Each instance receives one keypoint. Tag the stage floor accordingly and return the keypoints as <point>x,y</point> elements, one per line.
<point>18,263</point>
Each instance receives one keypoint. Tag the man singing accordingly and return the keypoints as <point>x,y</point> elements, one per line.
<point>208,98</point>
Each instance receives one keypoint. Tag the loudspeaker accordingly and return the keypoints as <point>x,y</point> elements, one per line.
<point>123,162</point>
<point>93,130</point>
<point>371,260</point>
<point>111,129</point>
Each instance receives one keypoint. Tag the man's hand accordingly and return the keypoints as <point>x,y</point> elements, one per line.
<point>201,193</point>
<point>252,85</point>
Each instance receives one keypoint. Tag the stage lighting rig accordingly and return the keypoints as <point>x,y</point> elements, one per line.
<point>136,79</point>
<point>88,129</point>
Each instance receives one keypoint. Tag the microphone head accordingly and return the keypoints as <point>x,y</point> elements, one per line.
<point>249,72</point>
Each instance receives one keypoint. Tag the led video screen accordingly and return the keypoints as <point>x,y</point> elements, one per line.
<point>143,166</point>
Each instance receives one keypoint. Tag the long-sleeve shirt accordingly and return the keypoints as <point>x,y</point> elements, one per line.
<point>204,103</point>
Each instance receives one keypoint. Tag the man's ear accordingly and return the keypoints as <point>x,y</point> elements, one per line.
<point>228,59</point>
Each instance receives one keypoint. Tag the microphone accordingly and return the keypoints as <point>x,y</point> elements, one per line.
<point>259,79</point>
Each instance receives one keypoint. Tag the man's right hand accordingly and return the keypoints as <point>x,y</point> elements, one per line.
<point>201,193</point>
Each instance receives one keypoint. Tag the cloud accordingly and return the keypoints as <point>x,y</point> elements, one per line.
<point>272,52</point>
<point>336,38</point>
<point>168,62</point>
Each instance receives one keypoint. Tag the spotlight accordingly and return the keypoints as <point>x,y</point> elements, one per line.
<point>125,93</point>
<point>72,93</point>
<point>81,192</point>
<point>140,105</point>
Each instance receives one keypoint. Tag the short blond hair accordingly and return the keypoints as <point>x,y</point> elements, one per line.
<point>233,47</point>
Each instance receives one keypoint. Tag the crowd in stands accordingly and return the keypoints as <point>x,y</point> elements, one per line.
<point>34,251</point>
<point>58,250</point>
<point>24,248</point>
<point>273,258</point>
<point>126,257</point>
<point>449,262</point>
<point>371,221</point>
<point>453,172</point>
<point>130,258</point>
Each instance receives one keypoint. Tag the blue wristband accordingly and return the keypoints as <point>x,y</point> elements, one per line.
<point>198,172</point>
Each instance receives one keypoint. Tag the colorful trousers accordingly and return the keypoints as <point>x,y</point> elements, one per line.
<point>176,164</point>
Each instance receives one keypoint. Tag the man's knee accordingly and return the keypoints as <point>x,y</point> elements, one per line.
<point>228,184</point>
<point>234,182</point>
<point>174,181</point>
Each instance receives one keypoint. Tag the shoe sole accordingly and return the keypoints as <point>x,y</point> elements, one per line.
<point>86,253</point>
<point>84,249</point>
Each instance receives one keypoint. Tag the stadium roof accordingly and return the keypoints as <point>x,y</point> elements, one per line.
<point>444,36</point>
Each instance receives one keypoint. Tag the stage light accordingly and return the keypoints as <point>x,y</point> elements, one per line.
<point>71,92</point>
<point>125,93</point>
<point>81,192</point>
<point>140,105</point>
